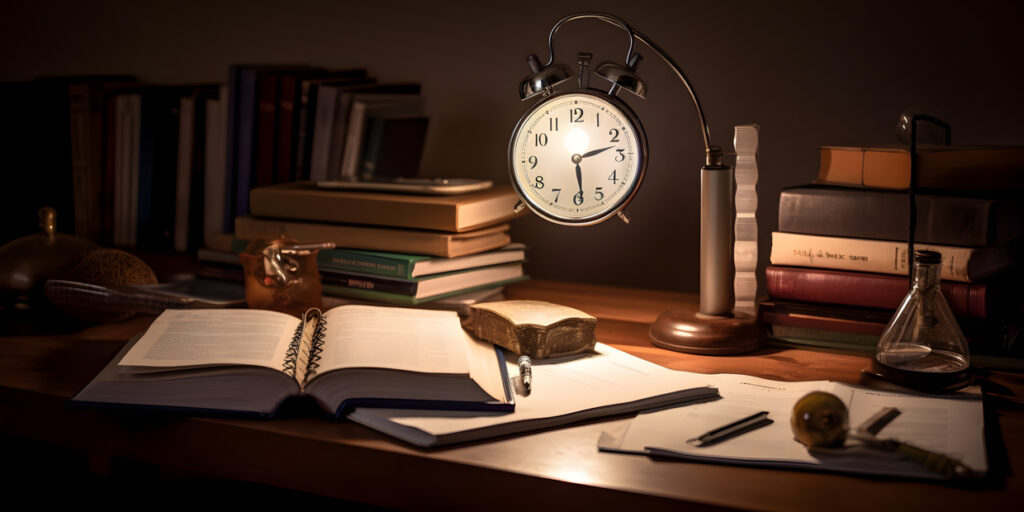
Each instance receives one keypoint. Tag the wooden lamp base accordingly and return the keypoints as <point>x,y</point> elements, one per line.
<point>687,330</point>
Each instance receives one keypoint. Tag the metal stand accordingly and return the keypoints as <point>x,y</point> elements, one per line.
<point>713,329</point>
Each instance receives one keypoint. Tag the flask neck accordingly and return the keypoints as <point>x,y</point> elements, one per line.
<point>926,276</point>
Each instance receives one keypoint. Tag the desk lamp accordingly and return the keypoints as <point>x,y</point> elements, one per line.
<point>578,157</point>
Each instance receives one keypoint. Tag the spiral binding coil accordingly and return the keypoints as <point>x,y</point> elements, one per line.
<point>316,346</point>
<point>303,354</point>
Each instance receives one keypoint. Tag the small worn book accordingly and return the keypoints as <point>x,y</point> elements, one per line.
<point>249,361</point>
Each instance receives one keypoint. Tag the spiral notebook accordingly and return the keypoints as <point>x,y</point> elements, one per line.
<point>250,361</point>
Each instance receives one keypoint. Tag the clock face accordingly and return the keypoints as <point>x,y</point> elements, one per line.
<point>577,157</point>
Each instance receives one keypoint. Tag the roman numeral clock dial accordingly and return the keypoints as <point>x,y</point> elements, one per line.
<point>577,157</point>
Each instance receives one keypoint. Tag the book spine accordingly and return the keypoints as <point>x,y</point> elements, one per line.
<point>85,171</point>
<point>368,282</point>
<point>231,146</point>
<point>182,207</point>
<point>266,124</point>
<point>285,154</point>
<point>879,256</point>
<point>824,323</point>
<point>215,166</point>
<point>882,215</point>
<point>306,95</point>
<point>144,192</point>
<point>244,148</point>
<point>108,196</point>
<point>350,261</point>
<point>866,290</point>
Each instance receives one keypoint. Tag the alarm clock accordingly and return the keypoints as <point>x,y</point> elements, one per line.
<point>578,157</point>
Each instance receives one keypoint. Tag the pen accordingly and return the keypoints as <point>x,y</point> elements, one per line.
<point>752,422</point>
<point>526,372</point>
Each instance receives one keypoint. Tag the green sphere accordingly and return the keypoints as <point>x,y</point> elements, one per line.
<point>820,419</point>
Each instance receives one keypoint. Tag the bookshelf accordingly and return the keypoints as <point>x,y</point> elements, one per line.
<point>823,78</point>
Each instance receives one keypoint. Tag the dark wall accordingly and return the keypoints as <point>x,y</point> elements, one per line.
<point>810,73</point>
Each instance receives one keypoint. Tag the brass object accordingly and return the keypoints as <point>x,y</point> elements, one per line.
<point>282,275</point>
<point>27,262</point>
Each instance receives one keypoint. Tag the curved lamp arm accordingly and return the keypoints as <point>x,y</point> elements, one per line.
<point>713,153</point>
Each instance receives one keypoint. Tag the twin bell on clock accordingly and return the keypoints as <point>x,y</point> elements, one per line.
<point>577,157</point>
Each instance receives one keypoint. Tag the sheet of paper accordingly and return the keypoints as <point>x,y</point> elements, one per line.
<point>953,426</point>
<point>950,426</point>
<point>203,337</point>
<point>396,338</point>
<point>561,386</point>
<point>741,396</point>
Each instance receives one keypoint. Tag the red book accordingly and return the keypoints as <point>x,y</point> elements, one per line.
<point>967,300</point>
<point>285,120</point>
<point>266,125</point>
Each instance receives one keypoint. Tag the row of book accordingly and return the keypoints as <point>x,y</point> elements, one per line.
<point>407,249</point>
<point>839,260</point>
<point>157,167</point>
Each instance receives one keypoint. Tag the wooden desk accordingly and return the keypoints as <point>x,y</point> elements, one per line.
<point>551,470</point>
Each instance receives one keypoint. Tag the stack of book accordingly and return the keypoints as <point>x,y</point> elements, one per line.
<point>394,248</point>
<point>839,261</point>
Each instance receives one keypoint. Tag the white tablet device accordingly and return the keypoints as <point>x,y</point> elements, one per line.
<point>432,186</point>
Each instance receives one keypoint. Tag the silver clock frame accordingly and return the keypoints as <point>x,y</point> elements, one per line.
<point>617,208</point>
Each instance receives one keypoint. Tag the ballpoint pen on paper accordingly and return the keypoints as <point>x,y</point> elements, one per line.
<point>526,372</point>
<point>752,422</point>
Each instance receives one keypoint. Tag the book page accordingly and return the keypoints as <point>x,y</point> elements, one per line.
<point>394,338</point>
<point>204,337</point>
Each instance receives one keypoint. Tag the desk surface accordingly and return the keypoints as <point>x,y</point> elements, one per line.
<point>554,468</point>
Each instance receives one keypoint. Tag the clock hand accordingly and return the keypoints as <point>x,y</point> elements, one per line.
<point>596,151</point>
<point>579,177</point>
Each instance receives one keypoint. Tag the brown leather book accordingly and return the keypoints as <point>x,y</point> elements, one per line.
<point>939,167</point>
<point>409,241</point>
<point>452,213</point>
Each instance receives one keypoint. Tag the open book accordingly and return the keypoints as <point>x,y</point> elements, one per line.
<point>250,361</point>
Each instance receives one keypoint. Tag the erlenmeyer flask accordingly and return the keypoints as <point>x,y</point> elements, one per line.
<point>923,346</point>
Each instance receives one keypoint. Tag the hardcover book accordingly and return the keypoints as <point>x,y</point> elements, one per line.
<point>962,264</point>
<point>408,266</point>
<point>415,241</point>
<point>883,215</point>
<point>249,361</point>
<point>939,167</point>
<point>977,300</point>
<point>420,289</point>
<point>452,213</point>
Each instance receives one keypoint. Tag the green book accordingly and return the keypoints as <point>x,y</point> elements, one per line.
<point>409,266</point>
<point>337,290</point>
